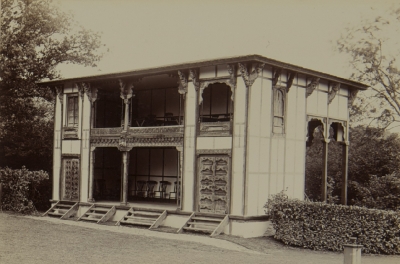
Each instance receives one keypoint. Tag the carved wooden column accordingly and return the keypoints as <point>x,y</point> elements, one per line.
<point>87,152</point>
<point>91,175</point>
<point>58,123</point>
<point>126,95</point>
<point>345,171</point>
<point>180,178</point>
<point>240,147</point>
<point>324,183</point>
<point>125,172</point>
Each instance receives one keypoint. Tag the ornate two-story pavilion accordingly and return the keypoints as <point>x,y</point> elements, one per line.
<point>196,146</point>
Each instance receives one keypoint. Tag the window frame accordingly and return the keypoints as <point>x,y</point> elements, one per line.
<point>276,90</point>
<point>75,111</point>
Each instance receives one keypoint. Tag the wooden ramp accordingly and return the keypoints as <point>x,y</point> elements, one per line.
<point>98,213</point>
<point>205,223</point>
<point>144,217</point>
<point>62,210</point>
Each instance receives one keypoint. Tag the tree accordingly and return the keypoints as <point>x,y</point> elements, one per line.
<point>374,168</point>
<point>35,37</point>
<point>373,51</point>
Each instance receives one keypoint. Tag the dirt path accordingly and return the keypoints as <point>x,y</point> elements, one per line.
<point>47,240</point>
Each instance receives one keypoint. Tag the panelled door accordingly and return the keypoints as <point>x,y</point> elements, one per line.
<point>213,184</point>
<point>70,179</point>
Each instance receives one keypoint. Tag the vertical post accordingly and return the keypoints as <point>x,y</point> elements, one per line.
<point>125,161</point>
<point>126,120</point>
<point>91,175</point>
<point>345,171</point>
<point>352,252</point>
<point>324,184</point>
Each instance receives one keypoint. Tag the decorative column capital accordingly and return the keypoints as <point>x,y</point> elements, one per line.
<point>333,91</point>
<point>195,79</point>
<point>312,86</point>
<point>250,78</point>
<point>126,90</point>
<point>183,83</point>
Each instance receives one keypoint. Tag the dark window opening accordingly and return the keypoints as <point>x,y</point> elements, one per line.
<point>217,104</point>
<point>108,109</point>
<point>107,174</point>
<point>156,107</point>
<point>153,174</point>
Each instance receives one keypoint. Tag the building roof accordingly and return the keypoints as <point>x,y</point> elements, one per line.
<point>204,63</point>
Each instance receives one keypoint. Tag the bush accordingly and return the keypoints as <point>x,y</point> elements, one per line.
<point>322,226</point>
<point>20,187</point>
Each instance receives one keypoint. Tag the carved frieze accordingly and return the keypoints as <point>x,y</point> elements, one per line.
<point>333,91</point>
<point>214,152</point>
<point>312,86</point>
<point>183,83</point>
<point>352,97</point>
<point>130,142</point>
<point>250,78</point>
<point>106,131</point>
<point>156,130</point>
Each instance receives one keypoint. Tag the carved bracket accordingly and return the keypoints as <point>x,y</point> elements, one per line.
<point>250,78</point>
<point>90,92</point>
<point>333,91</point>
<point>312,86</point>
<point>290,80</point>
<point>60,93</point>
<point>183,83</point>
<point>352,97</point>
<point>276,75</point>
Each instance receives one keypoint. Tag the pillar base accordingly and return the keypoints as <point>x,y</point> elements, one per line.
<point>91,200</point>
<point>124,204</point>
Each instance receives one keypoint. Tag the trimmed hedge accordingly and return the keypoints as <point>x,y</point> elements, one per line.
<point>322,226</point>
<point>20,188</point>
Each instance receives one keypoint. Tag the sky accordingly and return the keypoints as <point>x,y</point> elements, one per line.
<point>145,34</point>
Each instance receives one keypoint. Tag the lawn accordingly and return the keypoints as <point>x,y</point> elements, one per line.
<point>44,240</point>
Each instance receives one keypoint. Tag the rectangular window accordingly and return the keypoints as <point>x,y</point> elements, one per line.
<point>279,111</point>
<point>72,111</point>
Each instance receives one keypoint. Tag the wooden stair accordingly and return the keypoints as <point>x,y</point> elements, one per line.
<point>205,223</point>
<point>143,217</point>
<point>98,213</point>
<point>62,210</point>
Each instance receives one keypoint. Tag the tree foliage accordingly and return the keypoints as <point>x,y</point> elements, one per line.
<point>35,37</point>
<point>374,166</point>
<point>373,51</point>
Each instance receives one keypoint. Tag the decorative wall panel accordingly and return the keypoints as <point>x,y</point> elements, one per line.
<point>71,179</point>
<point>214,184</point>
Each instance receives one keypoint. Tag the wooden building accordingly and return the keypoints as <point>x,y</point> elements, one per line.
<point>195,146</point>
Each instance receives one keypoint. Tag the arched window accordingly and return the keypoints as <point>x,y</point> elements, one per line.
<point>279,111</point>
